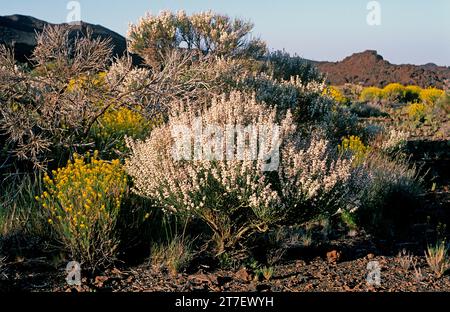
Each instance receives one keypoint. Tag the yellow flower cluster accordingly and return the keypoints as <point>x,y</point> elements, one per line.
<point>371,94</point>
<point>417,111</point>
<point>430,96</point>
<point>355,146</point>
<point>83,82</point>
<point>115,124</point>
<point>412,94</point>
<point>336,94</point>
<point>83,197</point>
<point>396,92</point>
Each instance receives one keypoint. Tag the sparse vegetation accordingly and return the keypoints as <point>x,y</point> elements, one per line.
<point>437,258</point>
<point>405,260</point>
<point>175,256</point>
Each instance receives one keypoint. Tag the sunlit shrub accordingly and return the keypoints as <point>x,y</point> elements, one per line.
<point>430,96</point>
<point>314,180</point>
<point>46,114</point>
<point>371,94</point>
<point>394,92</point>
<point>83,200</point>
<point>336,94</point>
<point>234,197</point>
<point>206,32</point>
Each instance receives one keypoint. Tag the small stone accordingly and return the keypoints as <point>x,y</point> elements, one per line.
<point>333,256</point>
<point>100,280</point>
<point>370,256</point>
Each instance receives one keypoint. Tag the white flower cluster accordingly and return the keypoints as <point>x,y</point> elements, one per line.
<point>313,176</point>
<point>306,176</point>
<point>394,141</point>
<point>204,184</point>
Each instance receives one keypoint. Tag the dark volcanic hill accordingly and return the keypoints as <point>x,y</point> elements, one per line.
<point>21,30</point>
<point>370,69</point>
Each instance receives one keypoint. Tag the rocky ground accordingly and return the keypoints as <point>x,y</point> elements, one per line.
<point>342,269</point>
<point>338,265</point>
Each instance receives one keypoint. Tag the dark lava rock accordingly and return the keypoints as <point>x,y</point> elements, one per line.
<point>20,31</point>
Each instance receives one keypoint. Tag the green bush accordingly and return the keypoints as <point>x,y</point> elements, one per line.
<point>19,211</point>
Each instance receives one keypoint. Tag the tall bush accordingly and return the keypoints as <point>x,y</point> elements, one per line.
<point>205,32</point>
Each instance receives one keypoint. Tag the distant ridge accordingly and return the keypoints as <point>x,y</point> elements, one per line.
<point>21,30</point>
<point>368,68</point>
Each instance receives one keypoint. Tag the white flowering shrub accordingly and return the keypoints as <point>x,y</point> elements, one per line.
<point>314,180</point>
<point>234,196</point>
<point>394,141</point>
<point>205,32</point>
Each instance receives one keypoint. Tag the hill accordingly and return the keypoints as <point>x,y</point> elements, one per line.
<point>370,69</point>
<point>21,30</point>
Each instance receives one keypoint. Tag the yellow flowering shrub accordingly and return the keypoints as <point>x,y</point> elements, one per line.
<point>336,94</point>
<point>417,111</point>
<point>84,82</point>
<point>371,94</point>
<point>430,96</point>
<point>355,147</point>
<point>83,200</point>
<point>394,92</point>
<point>412,94</point>
<point>115,124</point>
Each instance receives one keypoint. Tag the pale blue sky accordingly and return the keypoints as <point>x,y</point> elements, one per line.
<point>411,31</point>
